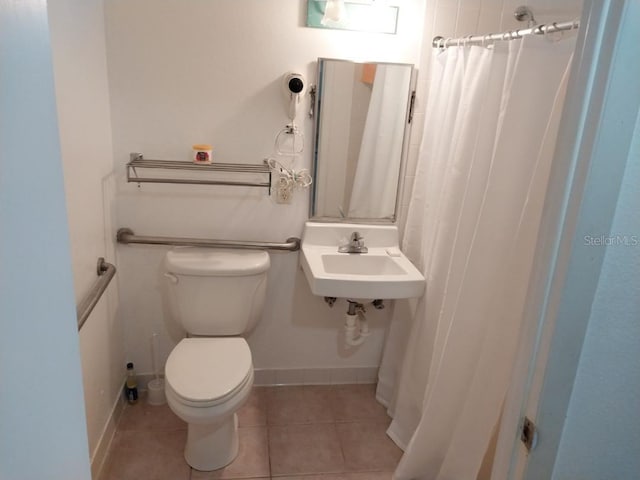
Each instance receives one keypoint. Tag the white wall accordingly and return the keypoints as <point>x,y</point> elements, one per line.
<point>182,73</point>
<point>602,429</point>
<point>42,421</point>
<point>187,72</point>
<point>80,69</point>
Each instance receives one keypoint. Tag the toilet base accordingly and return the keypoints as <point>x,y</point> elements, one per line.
<point>210,447</point>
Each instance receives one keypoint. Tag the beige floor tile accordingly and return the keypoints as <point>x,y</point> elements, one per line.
<point>342,476</point>
<point>324,476</point>
<point>301,441</point>
<point>366,447</point>
<point>143,416</point>
<point>352,403</point>
<point>252,460</point>
<point>304,449</point>
<point>370,476</point>
<point>299,405</point>
<point>254,411</point>
<point>139,454</point>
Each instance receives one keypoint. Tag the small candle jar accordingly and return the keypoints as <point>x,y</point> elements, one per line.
<point>202,154</point>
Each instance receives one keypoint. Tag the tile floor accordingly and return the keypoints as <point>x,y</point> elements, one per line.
<point>286,433</point>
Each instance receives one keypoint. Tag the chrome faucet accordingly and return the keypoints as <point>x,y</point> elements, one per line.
<point>355,245</point>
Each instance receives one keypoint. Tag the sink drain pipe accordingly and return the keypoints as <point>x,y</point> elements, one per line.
<point>356,325</point>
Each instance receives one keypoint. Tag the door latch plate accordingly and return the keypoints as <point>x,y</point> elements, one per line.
<point>529,434</point>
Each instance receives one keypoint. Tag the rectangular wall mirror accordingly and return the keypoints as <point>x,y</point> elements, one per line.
<point>362,114</point>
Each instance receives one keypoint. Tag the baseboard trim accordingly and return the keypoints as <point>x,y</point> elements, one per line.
<point>314,376</point>
<point>267,377</point>
<point>101,451</point>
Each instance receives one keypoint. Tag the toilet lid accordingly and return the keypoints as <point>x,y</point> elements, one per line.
<point>208,369</point>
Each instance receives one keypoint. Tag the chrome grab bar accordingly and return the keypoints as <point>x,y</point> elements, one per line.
<point>105,271</point>
<point>126,236</point>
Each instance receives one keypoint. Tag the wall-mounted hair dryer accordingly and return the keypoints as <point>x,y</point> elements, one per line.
<point>295,86</point>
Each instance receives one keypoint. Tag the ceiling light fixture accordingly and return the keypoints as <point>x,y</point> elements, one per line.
<point>335,12</point>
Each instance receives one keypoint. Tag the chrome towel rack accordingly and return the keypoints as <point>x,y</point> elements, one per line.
<point>138,162</point>
<point>126,236</point>
<point>105,271</point>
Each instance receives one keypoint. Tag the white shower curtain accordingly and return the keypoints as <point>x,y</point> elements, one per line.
<point>381,147</point>
<point>491,125</point>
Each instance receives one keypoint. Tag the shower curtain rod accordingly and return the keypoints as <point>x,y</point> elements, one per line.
<point>441,42</point>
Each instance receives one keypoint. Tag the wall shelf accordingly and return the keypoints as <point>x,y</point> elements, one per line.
<point>138,162</point>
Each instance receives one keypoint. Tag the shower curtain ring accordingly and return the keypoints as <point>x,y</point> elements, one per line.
<point>547,29</point>
<point>559,33</point>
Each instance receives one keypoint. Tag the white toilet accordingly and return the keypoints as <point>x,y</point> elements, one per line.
<point>216,295</point>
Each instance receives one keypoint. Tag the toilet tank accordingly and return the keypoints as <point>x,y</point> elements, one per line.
<point>216,292</point>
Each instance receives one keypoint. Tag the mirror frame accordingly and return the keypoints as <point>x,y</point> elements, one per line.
<point>408,122</point>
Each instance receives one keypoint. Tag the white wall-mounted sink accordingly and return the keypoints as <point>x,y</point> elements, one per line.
<point>383,272</point>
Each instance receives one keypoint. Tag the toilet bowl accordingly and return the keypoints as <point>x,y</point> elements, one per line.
<point>206,381</point>
<point>216,295</point>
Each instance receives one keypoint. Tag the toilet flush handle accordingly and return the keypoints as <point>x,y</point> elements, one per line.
<point>172,278</point>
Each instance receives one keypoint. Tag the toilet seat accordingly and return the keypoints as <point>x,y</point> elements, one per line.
<point>204,372</point>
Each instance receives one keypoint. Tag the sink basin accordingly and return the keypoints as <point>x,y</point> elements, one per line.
<point>382,273</point>
<point>363,264</point>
